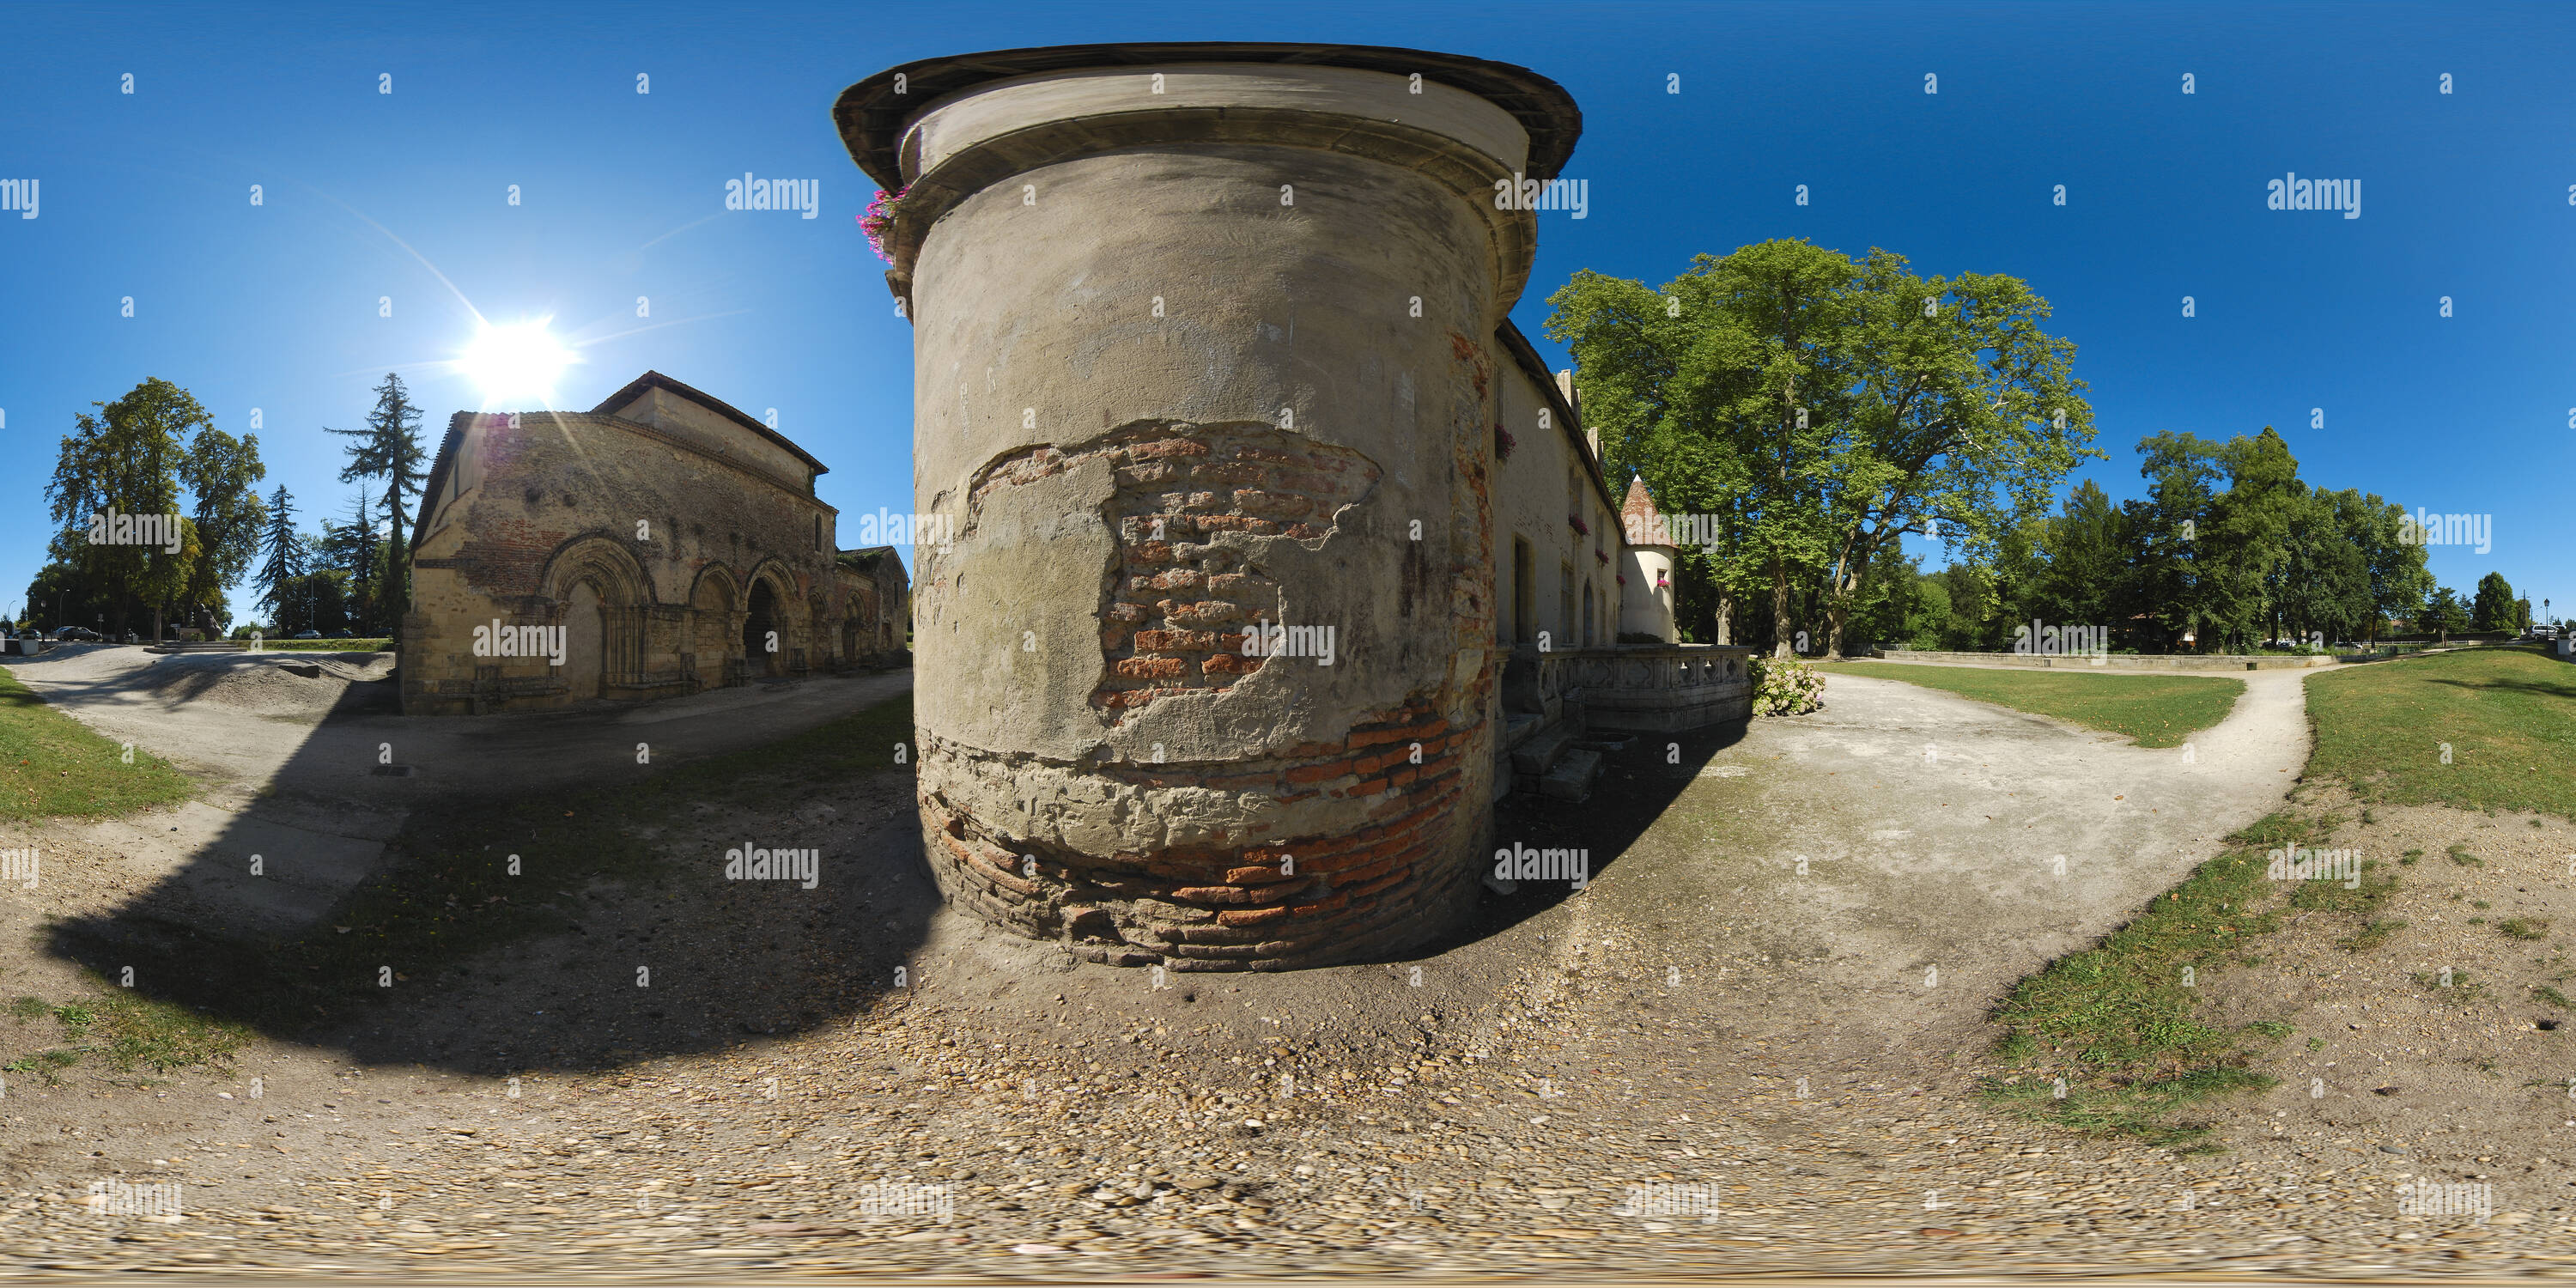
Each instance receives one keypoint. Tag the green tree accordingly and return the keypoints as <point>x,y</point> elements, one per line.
<point>2399,581</point>
<point>2085,552</point>
<point>2444,613</point>
<point>389,449</point>
<point>133,457</point>
<point>2493,610</point>
<point>1825,408</point>
<point>285,547</point>
<point>222,474</point>
<point>2322,586</point>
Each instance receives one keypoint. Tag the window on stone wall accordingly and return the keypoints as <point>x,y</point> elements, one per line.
<point>1588,615</point>
<point>1524,592</point>
<point>1565,605</point>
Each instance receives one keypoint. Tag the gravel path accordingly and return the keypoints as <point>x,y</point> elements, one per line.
<point>1704,1063</point>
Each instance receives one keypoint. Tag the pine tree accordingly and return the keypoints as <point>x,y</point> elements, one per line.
<point>285,548</point>
<point>389,449</point>
<point>357,541</point>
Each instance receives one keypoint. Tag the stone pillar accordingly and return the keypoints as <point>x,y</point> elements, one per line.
<point>1203,348</point>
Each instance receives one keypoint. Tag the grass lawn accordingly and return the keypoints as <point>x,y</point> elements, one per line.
<point>52,764</point>
<point>2154,710</point>
<point>2110,1040</point>
<point>127,1032</point>
<point>2509,716</point>
<point>329,646</point>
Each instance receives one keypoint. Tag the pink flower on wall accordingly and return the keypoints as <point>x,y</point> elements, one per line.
<point>1503,442</point>
<point>1579,525</point>
<point>880,220</point>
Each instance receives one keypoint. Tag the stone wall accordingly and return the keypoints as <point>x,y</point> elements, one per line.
<point>669,558</point>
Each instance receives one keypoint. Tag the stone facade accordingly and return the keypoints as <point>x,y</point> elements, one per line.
<point>1211,373</point>
<point>676,542</point>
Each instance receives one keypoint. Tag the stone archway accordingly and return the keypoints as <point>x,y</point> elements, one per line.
<point>600,594</point>
<point>711,635</point>
<point>585,642</point>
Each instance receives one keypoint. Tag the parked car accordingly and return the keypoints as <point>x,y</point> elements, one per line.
<point>308,635</point>
<point>76,633</point>
<point>344,634</point>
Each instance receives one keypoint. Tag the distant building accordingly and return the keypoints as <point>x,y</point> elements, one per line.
<point>1646,567</point>
<point>660,544</point>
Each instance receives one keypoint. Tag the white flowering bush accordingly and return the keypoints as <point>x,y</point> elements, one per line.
<point>1785,686</point>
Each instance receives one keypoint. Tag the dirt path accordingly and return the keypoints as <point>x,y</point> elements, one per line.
<point>1868,880</point>
<point>1498,1105</point>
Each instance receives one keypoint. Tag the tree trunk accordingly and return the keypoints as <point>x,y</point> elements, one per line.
<point>1780,631</point>
<point>1834,632</point>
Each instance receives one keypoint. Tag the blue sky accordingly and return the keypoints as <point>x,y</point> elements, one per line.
<point>371,195</point>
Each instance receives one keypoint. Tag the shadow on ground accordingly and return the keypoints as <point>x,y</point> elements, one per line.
<point>566,926</point>
<point>1637,784</point>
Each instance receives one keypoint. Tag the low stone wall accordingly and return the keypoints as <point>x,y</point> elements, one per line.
<point>2116,661</point>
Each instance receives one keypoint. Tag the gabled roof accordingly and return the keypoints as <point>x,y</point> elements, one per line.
<point>656,380</point>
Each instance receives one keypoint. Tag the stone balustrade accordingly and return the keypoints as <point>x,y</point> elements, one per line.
<point>1633,688</point>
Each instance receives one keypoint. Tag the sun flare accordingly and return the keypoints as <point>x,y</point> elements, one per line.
<point>520,361</point>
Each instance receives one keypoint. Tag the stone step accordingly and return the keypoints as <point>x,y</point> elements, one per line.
<point>1573,776</point>
<point>1539,754</point>
<point>1517,729</point>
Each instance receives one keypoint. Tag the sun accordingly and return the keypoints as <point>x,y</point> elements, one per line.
<point>520,361</point>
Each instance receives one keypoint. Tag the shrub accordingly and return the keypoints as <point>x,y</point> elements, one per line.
<point>1785,686</point>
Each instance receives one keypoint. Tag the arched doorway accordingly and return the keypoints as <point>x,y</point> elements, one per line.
<point>598,593</point>
<point>758,627</point>
<point>585,642</point>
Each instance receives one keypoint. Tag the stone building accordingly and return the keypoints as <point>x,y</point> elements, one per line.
<point>1260,504</point>
<point>1650,573</point>
<point>657,545</point>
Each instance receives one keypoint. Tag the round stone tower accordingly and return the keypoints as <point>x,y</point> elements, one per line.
<point>1203,402</point>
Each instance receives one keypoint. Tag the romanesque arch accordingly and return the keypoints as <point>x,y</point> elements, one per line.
<point>770,605</point>
<point>600,595</point>
<point>713,603</point>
